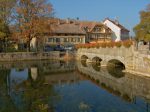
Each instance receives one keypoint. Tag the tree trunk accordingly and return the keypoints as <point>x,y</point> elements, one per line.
<point>28,43</point>
<point>149,45</point>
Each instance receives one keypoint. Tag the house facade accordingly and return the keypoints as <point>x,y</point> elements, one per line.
<point>65,32</point>
<point>119,32</point>
<point>96,31</point>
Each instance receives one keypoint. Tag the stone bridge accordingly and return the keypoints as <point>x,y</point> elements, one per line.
<point>132,60</point>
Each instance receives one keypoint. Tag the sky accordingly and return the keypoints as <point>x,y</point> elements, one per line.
<point>126,11</point>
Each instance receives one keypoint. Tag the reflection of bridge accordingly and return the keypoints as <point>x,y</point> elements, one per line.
<point>127,86</point>
<point>131,59</point>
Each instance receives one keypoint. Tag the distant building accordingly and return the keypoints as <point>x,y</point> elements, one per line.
<point>65,32</point>
<point>96,31</point>
<point>119,31</point>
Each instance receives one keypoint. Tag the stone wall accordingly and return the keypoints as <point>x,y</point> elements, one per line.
<point>134,61</point>
<point>125,55</point>
<point>29,56</point>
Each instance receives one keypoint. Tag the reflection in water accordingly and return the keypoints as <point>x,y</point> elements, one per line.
<point>55,86</point>
<point>24,89</point>
<point>115,68</point>
<point>128,87</point>
<point>115,71</point>
<point>96,66</point>
<point>83,62</point>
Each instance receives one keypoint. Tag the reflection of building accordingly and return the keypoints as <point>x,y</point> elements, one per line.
<point>119,31</point>
<point>34,73</point>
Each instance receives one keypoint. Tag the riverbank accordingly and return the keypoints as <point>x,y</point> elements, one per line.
<point>22,56</point>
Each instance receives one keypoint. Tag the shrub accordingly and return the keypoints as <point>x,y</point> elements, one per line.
<point>97,45</point>
<point>110,44</point>
<point>127,43</point>
<point>118,44</point>
<point>103,45</point>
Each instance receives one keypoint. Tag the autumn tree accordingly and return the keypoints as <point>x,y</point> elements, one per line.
<point>142,30</point>
<point>32,19</point>
<point>6,17</point>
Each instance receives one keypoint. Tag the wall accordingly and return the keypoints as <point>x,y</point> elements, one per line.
<point>125,55</point>
<point>29,56</point>
<point>115,30</point>
<point>134,61</point>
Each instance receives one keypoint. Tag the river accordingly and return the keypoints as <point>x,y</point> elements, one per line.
<point>69,86</point>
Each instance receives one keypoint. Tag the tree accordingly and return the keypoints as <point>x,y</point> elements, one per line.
<point>4,33</point>
<point>32,19</point>
<point>142,30</point>
<point>7,10</point>
<point>6,16</point>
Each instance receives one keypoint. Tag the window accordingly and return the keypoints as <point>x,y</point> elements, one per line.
<point>57,39</point>
<point>65,39</point>
<point>73,40</point>
<point>79,39</point>
<point>50,39</point>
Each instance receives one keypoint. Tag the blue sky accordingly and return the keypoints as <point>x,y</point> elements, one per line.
<point>127,11</point>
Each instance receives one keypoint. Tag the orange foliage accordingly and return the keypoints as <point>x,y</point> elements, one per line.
<point>126,44</point>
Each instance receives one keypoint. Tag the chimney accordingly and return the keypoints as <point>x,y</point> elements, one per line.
<point>58,22</point>
<point>116,20</point>
<point>67,20</point>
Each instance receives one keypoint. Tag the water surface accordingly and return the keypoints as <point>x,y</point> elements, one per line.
<point>59,86</point>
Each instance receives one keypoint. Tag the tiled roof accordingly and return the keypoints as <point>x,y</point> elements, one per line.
<point>90,25</point>
<point>117,24</point>
<point>74,26</point>
<point>69,28</point>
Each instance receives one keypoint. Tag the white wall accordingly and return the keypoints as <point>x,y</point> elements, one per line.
<point>115,29</point>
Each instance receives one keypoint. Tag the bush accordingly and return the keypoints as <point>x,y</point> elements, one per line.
<point>118,44</point>
<point>110,44</point>
<point>103,45</point>
<point>127,43</point>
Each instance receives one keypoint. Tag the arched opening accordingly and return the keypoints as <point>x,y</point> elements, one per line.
<point>96,60</point>
<point>83,60</point>
<point>96,63</point>
<point>115,68</point>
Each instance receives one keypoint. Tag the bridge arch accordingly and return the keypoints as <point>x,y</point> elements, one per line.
<point>115,68</point>
<point>84,58</point>
<point>96,60</point>
<point>116,63</point>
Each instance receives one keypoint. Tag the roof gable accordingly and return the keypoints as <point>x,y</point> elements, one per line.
<point>117,24</point>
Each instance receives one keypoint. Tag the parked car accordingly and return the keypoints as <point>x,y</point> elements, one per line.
<point>48,48</point>
<point>59,48</point>
<point>69,47</point>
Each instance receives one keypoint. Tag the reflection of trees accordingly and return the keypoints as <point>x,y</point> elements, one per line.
<point>96,66</point>
<point>5,100</point>
<point>36,94</point>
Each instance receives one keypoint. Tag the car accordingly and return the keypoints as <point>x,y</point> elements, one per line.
<point>59,48</point>
<point>69,47</point>
<point>48,48</point>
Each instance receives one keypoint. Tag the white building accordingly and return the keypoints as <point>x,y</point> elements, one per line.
<point>119,31</point>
